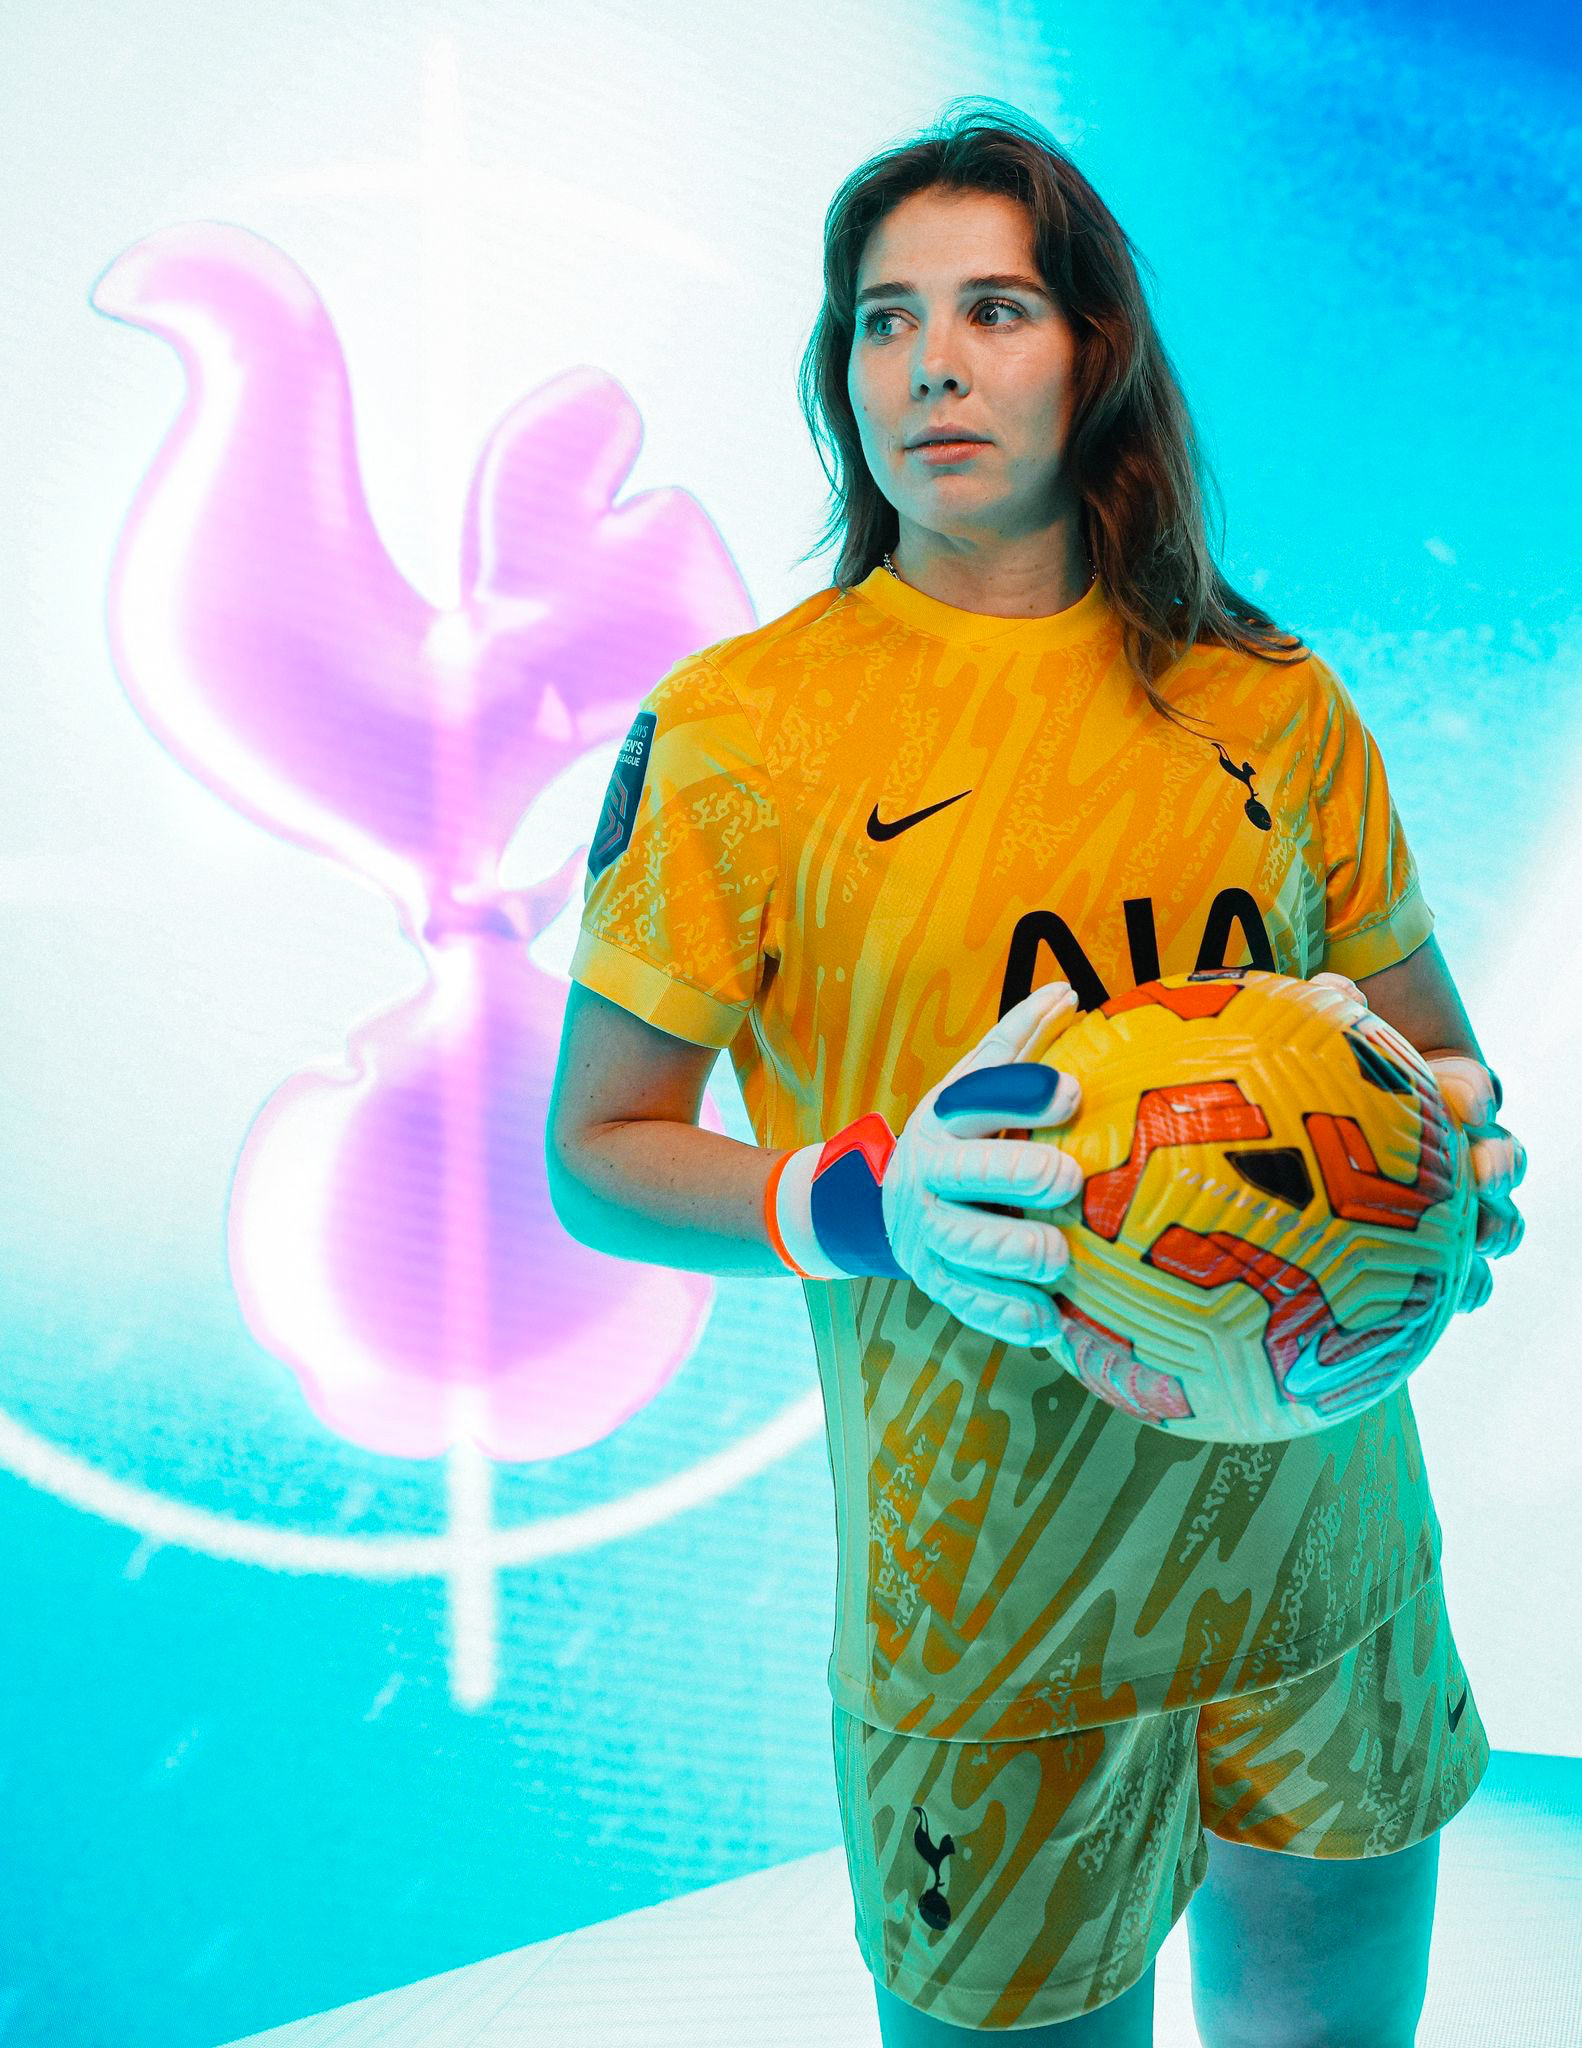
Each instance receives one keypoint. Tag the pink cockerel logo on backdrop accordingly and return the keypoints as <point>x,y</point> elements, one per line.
<point>390,1232</point>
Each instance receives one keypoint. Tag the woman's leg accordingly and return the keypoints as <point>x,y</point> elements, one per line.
<point>1291,1951</point>
<point>1125,2022</point>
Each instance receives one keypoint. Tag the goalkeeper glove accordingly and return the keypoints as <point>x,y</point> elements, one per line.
<point>1473,1095</point>
<point>867,1201</point>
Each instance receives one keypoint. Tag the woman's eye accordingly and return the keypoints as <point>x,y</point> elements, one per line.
<point>871,320</point>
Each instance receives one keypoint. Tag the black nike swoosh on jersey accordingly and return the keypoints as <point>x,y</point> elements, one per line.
<point>878,830</point>
<point>1456,1710</point>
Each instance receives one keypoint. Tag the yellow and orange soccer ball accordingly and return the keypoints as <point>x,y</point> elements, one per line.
<point>1278,1212</point>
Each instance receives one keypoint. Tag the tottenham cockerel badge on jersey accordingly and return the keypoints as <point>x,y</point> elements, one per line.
<point>618,818</point>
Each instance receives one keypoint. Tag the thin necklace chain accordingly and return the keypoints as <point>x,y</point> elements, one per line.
<point>895,572</point>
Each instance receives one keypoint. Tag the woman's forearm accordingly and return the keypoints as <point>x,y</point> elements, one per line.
<point>668,1194</point>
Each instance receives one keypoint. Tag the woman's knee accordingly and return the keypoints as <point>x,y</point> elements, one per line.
<point>1292,1952</point>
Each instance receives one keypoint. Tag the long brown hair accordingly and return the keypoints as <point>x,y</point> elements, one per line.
<point>1131,453</point>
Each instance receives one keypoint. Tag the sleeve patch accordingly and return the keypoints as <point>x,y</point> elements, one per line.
<point>618,818</point>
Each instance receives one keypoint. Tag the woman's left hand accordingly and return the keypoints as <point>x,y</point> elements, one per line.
<point>1472,1095</point>
<point>1499,1160</point>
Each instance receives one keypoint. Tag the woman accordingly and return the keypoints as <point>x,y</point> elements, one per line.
<point>1029,750</point>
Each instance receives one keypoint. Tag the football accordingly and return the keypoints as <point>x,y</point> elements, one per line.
<point>1278,1210</point>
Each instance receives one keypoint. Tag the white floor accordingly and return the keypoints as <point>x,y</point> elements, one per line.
<point>716,1969</point>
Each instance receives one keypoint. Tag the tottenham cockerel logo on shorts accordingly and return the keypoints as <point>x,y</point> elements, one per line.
<point>932,1904</point>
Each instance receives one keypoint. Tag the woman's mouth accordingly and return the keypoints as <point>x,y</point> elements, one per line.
<point>946,451</point>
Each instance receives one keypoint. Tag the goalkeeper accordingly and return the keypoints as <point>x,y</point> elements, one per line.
<point>1028,749</point>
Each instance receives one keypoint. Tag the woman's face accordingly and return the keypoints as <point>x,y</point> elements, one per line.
<point>996,358</point>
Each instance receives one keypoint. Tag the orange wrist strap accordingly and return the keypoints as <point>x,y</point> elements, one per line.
<point>770,1220</point>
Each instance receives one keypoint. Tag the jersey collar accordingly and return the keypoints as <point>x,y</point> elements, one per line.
<point>925,614</point>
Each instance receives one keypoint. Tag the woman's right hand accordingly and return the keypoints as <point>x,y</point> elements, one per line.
<point>947,1158</point>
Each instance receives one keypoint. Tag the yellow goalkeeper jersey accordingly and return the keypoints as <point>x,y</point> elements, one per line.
<point>842,845</point>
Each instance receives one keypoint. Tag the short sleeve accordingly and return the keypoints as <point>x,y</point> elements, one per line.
<point>1374,912</point>
<point>683,863</point>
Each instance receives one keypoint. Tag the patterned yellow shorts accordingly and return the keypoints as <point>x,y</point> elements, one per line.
<point>1010,1884</point>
